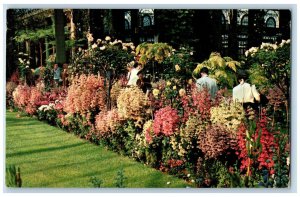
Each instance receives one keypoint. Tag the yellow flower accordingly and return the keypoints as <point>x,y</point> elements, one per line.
<point>174,87</point>
<point>177,67</point>
<point>182,92</point>
<point>155,92</point>
<point>168,83</point>
<point>190,81</point>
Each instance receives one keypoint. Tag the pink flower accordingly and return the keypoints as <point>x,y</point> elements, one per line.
<point>166,121</point>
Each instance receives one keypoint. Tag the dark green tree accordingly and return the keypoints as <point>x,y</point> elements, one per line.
<point>59,20</point>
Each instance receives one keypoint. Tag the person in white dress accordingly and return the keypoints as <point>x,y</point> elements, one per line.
<point>133,69</point>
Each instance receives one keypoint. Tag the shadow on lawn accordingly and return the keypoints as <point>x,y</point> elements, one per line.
<point>43,150</point>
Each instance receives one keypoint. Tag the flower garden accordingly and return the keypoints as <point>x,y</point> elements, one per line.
<point>176,128</point>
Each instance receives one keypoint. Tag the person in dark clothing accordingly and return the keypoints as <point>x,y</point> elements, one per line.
<point>143,83</point>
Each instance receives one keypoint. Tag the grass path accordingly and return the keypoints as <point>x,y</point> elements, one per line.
<point>50,157</point>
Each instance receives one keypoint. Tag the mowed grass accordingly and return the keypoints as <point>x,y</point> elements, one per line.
<point>50,157</point>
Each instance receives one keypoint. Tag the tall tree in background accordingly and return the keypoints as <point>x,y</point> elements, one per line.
<point>233,34</point>
<point>59,19</point>
<point>10,44</point>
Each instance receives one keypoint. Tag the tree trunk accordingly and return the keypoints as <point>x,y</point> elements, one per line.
<point>59,36</point>
<point>47,48</point>
<point>41,54</point>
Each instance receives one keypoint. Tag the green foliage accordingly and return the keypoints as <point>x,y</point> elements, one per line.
<point>48,77</point>
<point>282,161</point>
<point>153,52</point>
<point>96,182</point>
<point>101,57</point>
<point>179,65</point>
<point>13,176</point>
<point>223,69</point>
<point>34,35</point>
<point>270,65</point>
<point>120,179</point>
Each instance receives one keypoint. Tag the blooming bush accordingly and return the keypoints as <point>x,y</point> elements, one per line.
<point>228,114</point>
<point>256,146</point>
<point>148,131</point>
<point>101,56</point>
<point>199,103</point>
<point>107,122</point>
<point>215,141</point>
<point>271,65</point>
<point>166,121</point>
<point>21,96</point>
<point>85,94</point>
<point>132,103</point>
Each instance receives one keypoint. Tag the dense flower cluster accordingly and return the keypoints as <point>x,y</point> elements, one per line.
<point>216,141</point>
<point>276,97</point>
<point>148,131</point>
<point>188,136</point>
<point>249,150</point>
<point>115,91</point>
<point>229,114</point>
<point>85,94</point>
<point>198,103</point>
<point>21,96</point>
<point>166,121</point>
<point>107,122</point>
<point>131,103</point>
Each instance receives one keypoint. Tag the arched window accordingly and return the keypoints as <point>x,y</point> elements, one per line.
<point>146,21</point>
<point>271,22</point>
<point>223,20</point>
<point>127,25</point>
<point>244,20</point>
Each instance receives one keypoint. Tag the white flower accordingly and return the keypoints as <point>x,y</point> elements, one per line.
<point>115,42</point>
<point>79,49</point>
<point>246,53</point>
<point>188,175</point>
<point>168,183</point>
<point>94,46</point>
<point>288,41</point>
<point>288,161</point>
<point>132,47</point>
<point>102,48</point>
<point>99,41</point>
<point>27,67</point>
<point>20,60</point>
<point>119,41</point>
<point>193,181</point>
<point>124,48</point>
<point>28,62</point>
<point>107,38</point>
<point>191,53</point>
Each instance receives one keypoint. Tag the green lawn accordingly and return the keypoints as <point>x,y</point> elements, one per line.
<point>50,157</point>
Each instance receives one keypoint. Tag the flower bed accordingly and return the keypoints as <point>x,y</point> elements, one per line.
<point>177,128</point>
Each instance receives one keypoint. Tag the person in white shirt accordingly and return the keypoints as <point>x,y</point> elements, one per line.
<point>245,93</point>
<point>207,82</point>
<point>133,69</point>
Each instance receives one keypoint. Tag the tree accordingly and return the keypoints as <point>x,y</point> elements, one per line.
<point>59,20</point>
